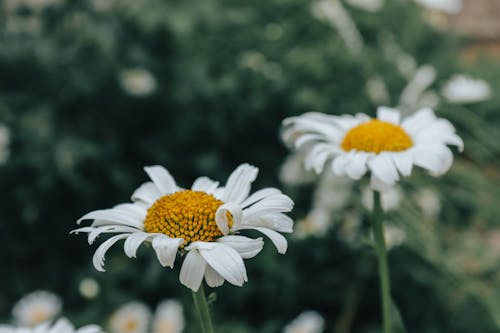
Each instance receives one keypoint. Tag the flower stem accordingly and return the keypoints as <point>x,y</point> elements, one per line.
<point>201,305</point>
<point>383,268</point>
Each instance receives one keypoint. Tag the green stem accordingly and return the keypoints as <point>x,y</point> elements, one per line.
<point>383,268</point>
<point>201,305</point>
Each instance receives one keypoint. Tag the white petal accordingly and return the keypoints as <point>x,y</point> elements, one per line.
<point>383,167</point>
<point>213,278</point>
<point>340,163</point>
<point>259,195</point>
<point>166,249</point>
<point>193,270</point>
<point>63,325</point>
<point>89,329</point>
<point>238,185</point>
<point>272,204</point>
<point>224,260</point>
<point>205,184</point>
<point>356,167</point>
<point>278,240</point>
<point>275,221</point>
<point>388,114</point>
<point>162,179</point>
<point>115,216</point>
<point>424,157</point>
<point>94,232</point>
<point>418,121</point>
<point>221,216</point>
<point>99,254</point>
<point>378,185</point>
<point>403,162</point>
<point>133,242</point>
<point>246,247</point>
<point>147,192</point>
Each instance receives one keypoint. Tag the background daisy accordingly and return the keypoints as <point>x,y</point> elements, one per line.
<point>36,308</point>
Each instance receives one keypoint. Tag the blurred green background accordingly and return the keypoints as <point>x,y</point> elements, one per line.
<point>92,91</point>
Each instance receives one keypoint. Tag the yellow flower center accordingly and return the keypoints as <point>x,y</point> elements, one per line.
<point>186,214</point>
<point>376,136</point>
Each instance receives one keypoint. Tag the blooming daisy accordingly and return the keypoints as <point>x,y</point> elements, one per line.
<point>306,322</point>
<point>169,318</point>
<point>201,223</point>
<point>386,146</point>
<point>63,325</point>
<point>132,317</point>
<point>36,308</point>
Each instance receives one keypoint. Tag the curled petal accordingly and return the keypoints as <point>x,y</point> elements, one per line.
<point>221,216</point>
<point>193,270</point>
<point>98,259</point>
<point>238,185</point>
<point>162,179</point>
<point>166,249</point>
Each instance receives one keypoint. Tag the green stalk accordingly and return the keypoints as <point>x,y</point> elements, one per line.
<point>383,268</point>
<point>201,305</point>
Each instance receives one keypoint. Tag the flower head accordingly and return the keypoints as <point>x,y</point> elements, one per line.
<point>169,318</point>
<point>463,89</point>
<point>132,317</point>
<point>36,308</point>
<point>306,322</point>
<point>63,325</point>
<point>385,146</point>
<point>201,223</point>
<point>137,82</point>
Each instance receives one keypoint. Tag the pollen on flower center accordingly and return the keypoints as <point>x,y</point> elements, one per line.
<point>376,136</point>
<point>186,214</point>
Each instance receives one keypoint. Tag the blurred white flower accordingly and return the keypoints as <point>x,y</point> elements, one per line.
<point>428,200</point>
<point>169,318</point>
<point>448,6</point>
<point>332,194</point>
<point>404,62</point>
<point>390,199</point>
<point>332,12</point>
<point>132,317</point>
<point>4,143</point>
<point>306,322</point>
<point>411,96</point>
<point>368,5</point>
<point>89,288</point>
<point>36,308</point>
<point>377,90</point>
<point>463,89</point>
<point>393,235</point>
<point>138,81</point>
<point>63,325</point>
<point>293,171</point>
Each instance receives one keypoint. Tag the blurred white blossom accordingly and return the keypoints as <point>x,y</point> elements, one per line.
<point>4,143</point>
<point>132,317</point>
<point>89,288</point>
<point>404,62</point>
<point>293,171</point>
<point>169,317</point>
<point>332,12</point>
<point>36,308</point>
<point>368,5</point>
<point>138,81</point>
<point>306,322</point>
<point>389,199</point>
<point>411,97</point>
<point>428,200</point>
<point>447,6</point>
<point>377,90</point>
<point>63,325</point>
<point>463,89</point>
<point>393,235</point>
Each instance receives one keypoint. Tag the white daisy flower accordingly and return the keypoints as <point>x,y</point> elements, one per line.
<point>306,322</point>
<point>428,200</point>
<point>385,146</point>
<point>169,318</point>
<point>201,223</point>
<point>138,81</point>
<point>63,325</point>
<point>132,317</point>
<point>462,89</point>
<point>36,308</point>
<point>368,5</point>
